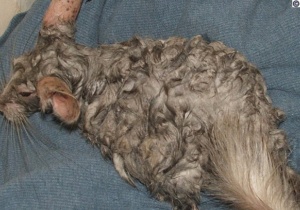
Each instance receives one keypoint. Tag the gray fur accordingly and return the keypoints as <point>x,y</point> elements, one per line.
<point>179,115</point>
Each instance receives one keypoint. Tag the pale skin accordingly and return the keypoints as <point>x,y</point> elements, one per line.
<point>61,10</point>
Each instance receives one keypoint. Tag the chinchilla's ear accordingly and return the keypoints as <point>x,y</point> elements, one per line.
<point>56,95</point>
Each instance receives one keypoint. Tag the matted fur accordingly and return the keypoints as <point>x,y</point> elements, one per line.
<point>179,115</point>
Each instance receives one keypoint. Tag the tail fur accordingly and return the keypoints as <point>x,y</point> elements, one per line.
<point>246,168</point>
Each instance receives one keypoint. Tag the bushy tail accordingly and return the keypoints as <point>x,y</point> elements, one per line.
<point>245,169</point>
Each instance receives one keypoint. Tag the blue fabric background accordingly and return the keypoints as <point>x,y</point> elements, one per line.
<point>73,175</point>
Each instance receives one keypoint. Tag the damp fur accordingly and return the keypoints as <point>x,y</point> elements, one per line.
<point>178,115</point>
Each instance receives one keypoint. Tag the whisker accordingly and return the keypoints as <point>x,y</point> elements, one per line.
<point>15,153</point>
<point>4,150</point>
<point>36,147</point>
<point>28,160</point>
<point>8,159</point>
<point>23,154</point>
<point>11,152</point>
<point>44,151</point>
<point>24,149</point>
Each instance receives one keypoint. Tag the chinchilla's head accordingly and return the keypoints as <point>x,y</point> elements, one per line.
<point>18,97</point>
<point>54,54</point>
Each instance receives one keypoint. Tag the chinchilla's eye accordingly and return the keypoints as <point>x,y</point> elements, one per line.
<point>25,94</point>
<point>25,89</point>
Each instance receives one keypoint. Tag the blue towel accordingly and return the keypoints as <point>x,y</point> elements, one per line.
<point>66,172</point>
